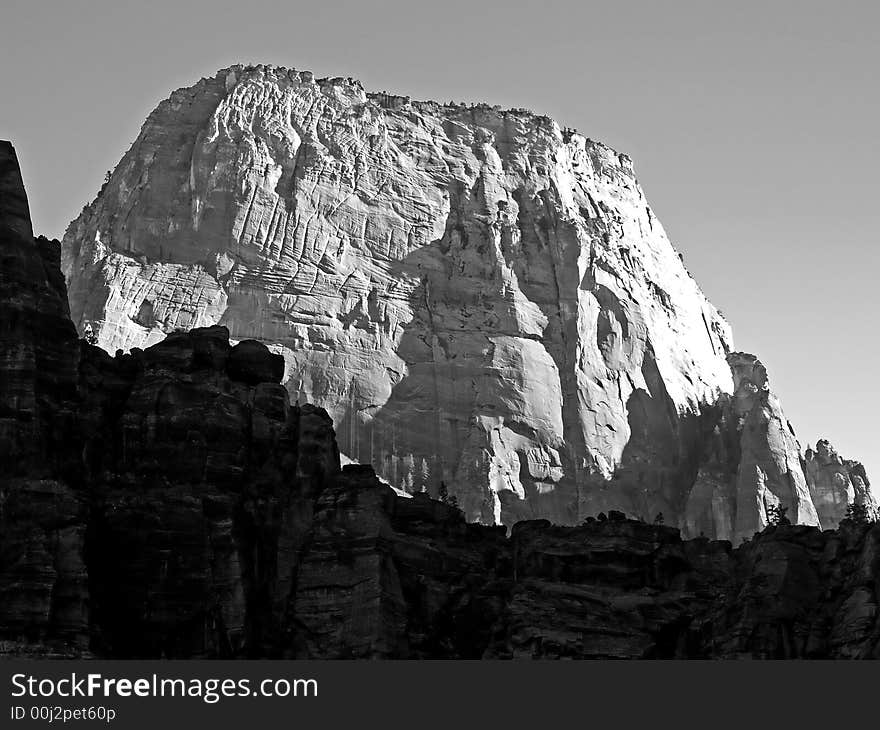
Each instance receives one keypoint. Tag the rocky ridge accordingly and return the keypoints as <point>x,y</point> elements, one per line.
<point>180,506</point>
<point>478,297</point>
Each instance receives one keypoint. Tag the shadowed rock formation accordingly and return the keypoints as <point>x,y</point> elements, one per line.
<point>42,514</point>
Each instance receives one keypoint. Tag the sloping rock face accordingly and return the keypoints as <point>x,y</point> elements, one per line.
<point>188,510</point>
<point>476,296</point>
<point>835,483</point>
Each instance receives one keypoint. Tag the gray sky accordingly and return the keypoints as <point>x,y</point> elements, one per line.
<point>753,127</point>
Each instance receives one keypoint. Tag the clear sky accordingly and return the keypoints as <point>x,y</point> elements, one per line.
<point>753,127</point>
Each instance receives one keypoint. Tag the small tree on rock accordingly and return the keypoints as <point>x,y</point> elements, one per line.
<point>776,515</point>
<point>89,335</point>
<point>444,496</point>
<point>860,514</point>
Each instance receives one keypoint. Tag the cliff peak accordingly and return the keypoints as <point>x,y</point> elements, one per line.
<point>479,298</point>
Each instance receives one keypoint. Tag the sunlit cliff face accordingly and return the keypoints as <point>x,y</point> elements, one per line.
<point>480,299</point>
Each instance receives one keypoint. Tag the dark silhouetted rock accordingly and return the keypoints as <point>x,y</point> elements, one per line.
<point>252,362</point>
<point>43,592</point>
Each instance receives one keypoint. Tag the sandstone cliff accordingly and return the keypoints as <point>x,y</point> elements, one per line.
<point>476,296</point>
<point>181,507</point>
<point>750,463</point>
<point>835,483</point>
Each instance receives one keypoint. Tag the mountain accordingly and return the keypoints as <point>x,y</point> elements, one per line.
<point>482,301</point>
<point>170,502</point>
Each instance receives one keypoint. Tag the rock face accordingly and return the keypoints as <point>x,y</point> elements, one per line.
<point>751,462</point>
<point>476,296</point>
<point>407,578</point>
<point>163,488</point>
<point>835,483</point>
<point>187,509</point>
<point>42,520</point>
<point>38,343</point>
<point>202,482</point>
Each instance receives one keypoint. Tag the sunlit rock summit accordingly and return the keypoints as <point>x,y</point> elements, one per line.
<point>483,301</point>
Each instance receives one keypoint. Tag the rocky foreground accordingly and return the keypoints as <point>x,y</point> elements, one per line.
<point>478,297</point>
<point>171,502</point>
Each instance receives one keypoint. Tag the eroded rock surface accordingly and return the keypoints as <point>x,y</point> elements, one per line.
<point>476,296</point>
